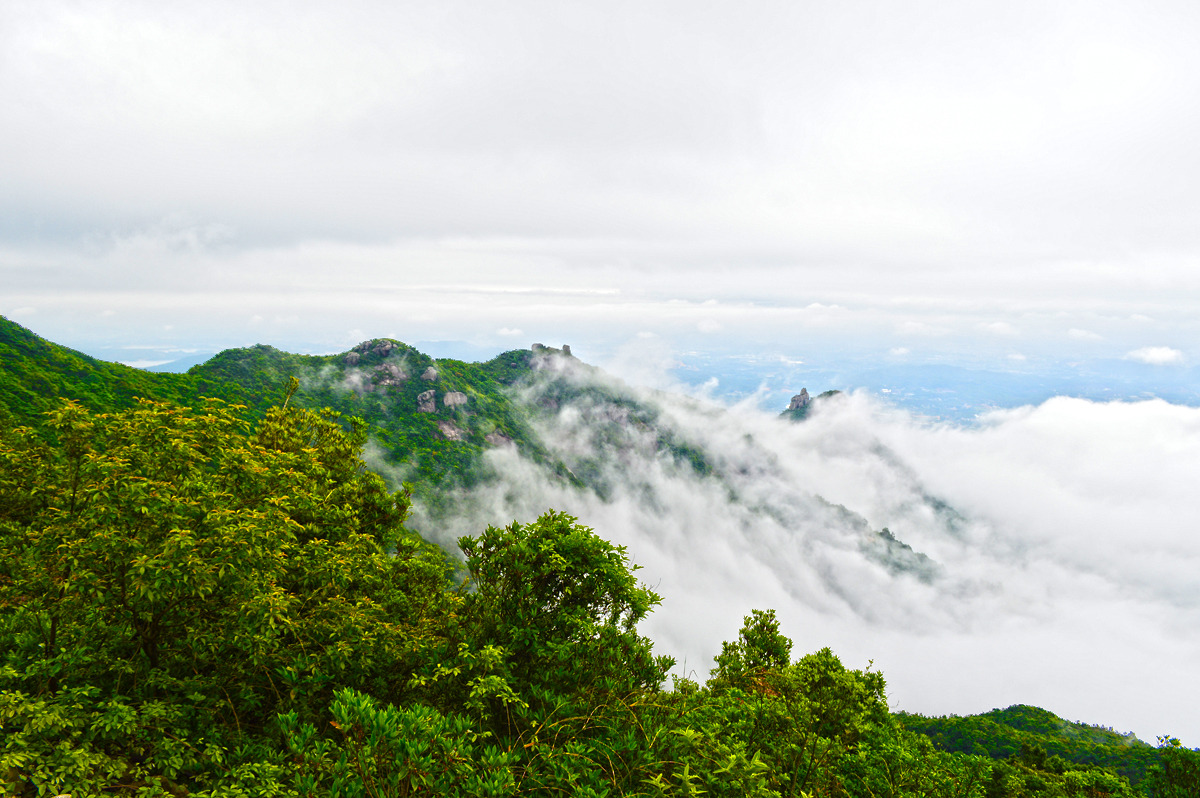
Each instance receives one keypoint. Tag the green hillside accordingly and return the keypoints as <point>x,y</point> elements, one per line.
<point>380,381</point>
<point>38,374</point>
<point>1019,730</point>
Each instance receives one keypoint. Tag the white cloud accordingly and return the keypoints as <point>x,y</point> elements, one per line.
<point>1069,540</point>
<point>999,328</point>
<point>896,166</point>
<point>471,170</point>
<point>921,328</point>
<point>142,364</point>
<point>1084,335</point>
<point>1156,355</point>
<point>508,332</point>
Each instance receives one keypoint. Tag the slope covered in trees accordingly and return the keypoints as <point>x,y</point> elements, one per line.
<point>1024,731</point>
<point>380,381</point>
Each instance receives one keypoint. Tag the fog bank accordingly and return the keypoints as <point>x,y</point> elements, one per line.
<point>1045,556</point>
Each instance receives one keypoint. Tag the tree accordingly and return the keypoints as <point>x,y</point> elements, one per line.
<point>759,648</point>
<point>563,604</point>
<point>1177,773</point>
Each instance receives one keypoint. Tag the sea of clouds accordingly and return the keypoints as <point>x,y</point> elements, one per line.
<point>1061,540</point>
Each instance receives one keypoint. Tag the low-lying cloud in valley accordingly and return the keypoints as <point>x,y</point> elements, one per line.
<point>1045,555</point>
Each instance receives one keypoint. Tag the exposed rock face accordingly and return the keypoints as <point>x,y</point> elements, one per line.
<point>567,350</point>
<point>537,348</point>
<point>427,401</point>
<point>800,400</point>
<point>376,346</point>
<point>451,432</point>
<point>498,439</point>
<point>351,359</point>
<point>430,374</point>
<point>390,374</point>
<point>453,399</point>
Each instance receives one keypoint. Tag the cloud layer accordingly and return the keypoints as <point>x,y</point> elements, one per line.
<point>1060,541</point>
<point>994,178</point>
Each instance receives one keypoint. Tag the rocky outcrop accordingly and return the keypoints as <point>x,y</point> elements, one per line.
<point>427,401</point>
<point>800,400</point>
<point>430,374</point>
<point>450,431</point>
<point>802,404</point>
<point>454,399</point>
<point>382,348</point>
<point>543,349</point>
<point>390,374</point>
<point>376,346</point>
<point>498,438</point>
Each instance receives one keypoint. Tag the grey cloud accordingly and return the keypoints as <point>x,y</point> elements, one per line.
<point>920,171</point>
<point>795,125</point>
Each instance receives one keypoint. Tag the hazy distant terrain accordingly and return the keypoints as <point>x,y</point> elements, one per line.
<point>941,391</point>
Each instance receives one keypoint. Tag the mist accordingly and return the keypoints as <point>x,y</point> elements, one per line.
<point>1045,555</point>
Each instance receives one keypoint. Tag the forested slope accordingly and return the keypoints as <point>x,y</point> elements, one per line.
<point>380,381</point>
<point>1024,732</point>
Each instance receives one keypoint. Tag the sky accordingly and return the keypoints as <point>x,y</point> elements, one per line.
<point>998,186</point>
<point>1009,184</point>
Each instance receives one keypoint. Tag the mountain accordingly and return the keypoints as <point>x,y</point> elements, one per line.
<point>480,441</point>
<point>433,422</point>
<point>429,419</point>
<point>38,374</point>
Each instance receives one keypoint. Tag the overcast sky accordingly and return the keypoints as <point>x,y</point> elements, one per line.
<point>1017,179</point>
